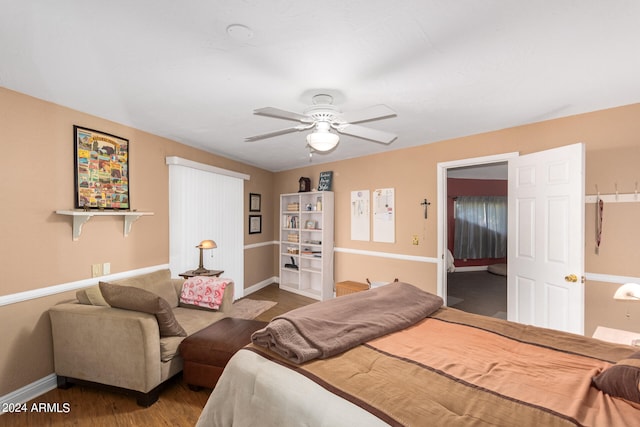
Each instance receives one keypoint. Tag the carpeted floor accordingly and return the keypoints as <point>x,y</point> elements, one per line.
<point>478,292</point>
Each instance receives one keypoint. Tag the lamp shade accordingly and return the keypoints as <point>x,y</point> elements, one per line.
<point>322,140</point>
<point>628,291</point>
<point>207,244</point>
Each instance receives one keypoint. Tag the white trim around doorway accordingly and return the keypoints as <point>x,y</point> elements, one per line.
<point>442,168</point>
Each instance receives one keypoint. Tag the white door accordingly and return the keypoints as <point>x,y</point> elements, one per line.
<point>546,239</point>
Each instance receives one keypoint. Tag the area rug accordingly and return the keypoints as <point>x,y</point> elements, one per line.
<point>250,308</point>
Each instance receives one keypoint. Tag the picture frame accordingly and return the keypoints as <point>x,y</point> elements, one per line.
<point>325,180</point>
<point>255,224</point>
<point>101,174</point>
<point>310,225</point>
<point>255,201</point>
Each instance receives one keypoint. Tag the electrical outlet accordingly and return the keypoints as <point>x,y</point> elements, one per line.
<point>415,240</point>
<point>96,270</point>
<point>106,268</point>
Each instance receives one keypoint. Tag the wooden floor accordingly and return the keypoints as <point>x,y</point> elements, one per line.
<point>177,406</point>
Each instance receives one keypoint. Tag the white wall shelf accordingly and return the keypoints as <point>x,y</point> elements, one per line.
<point>80,217</point>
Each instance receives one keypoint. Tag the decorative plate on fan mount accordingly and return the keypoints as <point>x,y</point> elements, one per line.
<point>323,116</point>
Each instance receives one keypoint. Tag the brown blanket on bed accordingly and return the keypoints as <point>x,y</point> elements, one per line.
<point>460,369</point>
<point>331,327</point>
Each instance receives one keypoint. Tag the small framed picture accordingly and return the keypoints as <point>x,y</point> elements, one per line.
<point>254,202</point>
<point>324,182</point>
<point>310,225</point>
<point>255,224</point>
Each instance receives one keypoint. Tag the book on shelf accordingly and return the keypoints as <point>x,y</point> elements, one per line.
<point>291,221</point>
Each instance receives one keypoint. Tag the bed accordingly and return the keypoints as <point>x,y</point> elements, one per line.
<point>446,367</point>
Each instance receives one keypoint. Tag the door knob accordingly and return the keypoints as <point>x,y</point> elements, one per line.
<point>571,278</point>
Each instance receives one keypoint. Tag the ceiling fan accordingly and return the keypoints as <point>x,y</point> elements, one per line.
<point>323,116</point>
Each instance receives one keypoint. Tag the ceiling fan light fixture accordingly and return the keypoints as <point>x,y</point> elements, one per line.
<point>323,141</point>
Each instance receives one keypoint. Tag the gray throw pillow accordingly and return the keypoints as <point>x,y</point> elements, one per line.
<point>136,299</point>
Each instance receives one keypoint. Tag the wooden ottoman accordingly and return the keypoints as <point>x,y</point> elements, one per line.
<point>207,352</point>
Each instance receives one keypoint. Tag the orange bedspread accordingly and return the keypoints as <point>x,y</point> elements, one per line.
<point>454,368</point>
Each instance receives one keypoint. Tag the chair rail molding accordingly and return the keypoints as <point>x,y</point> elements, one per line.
<point>72,286</point>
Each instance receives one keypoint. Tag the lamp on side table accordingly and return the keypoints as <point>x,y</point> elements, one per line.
<point>201,271</point>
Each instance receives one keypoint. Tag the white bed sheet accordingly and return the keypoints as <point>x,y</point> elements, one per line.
<point>254,391</point>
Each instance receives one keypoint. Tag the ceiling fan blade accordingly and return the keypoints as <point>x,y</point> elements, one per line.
<point>282,114</point>
<point>367,133</point>
<point>278,132</point>
<point>374,112</point>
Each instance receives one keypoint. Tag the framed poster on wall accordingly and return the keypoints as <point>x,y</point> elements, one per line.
<point>101,170</point>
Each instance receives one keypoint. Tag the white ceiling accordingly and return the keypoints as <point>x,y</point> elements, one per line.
<point>448,68</point>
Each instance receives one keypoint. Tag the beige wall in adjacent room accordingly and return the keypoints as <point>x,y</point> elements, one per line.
<point>37,249</point>
<point>612,140</point>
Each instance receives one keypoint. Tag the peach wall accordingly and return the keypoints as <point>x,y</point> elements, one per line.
<point>612,139</point>
<point>37,249</point>
<point>38,142</point>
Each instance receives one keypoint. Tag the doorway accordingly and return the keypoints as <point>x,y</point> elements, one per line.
<point>477,238</point>
<point>546,229</point>
<point>473,287</point>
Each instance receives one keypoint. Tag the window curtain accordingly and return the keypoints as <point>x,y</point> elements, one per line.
<point>480,227</point>
<point>206,205</point>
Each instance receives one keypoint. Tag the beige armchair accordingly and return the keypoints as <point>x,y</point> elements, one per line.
<point>122,349</point>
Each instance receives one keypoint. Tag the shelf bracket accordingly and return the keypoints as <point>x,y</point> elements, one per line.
<point>78,222</point>
<point>128,221</point>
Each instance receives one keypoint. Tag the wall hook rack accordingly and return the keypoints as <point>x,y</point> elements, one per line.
<point>616,197</point>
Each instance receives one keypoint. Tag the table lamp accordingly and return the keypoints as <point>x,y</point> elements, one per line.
<point>628,291</point>
<point>205,244</point>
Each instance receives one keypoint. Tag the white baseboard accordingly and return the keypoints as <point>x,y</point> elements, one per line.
<point>472,268</point>
<point>30,391</point>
